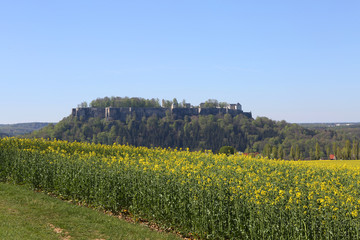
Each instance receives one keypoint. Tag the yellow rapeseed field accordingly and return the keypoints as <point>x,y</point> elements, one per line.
<point>201,194</point>
<point>351,164</point>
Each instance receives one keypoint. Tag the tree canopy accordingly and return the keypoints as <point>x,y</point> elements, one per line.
<point>124,102</point>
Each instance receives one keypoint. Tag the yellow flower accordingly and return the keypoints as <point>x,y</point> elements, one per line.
<point>354,213</point>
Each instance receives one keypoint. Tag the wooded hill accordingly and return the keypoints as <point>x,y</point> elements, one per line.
<point>275,139</point>
<point>20,128</point>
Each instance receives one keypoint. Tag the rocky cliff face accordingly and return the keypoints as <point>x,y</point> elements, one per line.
<point>121,114</point>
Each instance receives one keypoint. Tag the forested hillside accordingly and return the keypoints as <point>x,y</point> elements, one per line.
<point>20,128</point>
<point>275,139</point>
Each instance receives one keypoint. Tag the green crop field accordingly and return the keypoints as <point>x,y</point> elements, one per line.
<point>200,194</point>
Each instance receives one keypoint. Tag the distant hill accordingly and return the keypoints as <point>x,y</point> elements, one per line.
<point>274,139</point>
<point>335,125</point>
<point>20,128</point>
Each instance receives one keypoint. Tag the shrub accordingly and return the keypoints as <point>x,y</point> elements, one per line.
<point>228,150</point>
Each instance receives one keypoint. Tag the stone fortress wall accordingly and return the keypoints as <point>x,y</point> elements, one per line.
<point>111,113</point>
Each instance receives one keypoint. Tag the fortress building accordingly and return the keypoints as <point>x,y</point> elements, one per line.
<point>111,113</point>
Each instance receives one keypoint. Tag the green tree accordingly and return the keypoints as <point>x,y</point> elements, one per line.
<point>223,104</point>
<point>292,153</point>
<point>267,150</point>
<point>83,105</point>
<point>317,151</point>
<point>355,150</point>
<point>183,103</point>
<point>274,152</point>
<point>297,152</point>
<point>113,134</point>
<point>228,150</point>
<point>280,154</point>
<point>166,103</point>
<point>211,103</point>
<point>347,150</point>
<point>311,154</point>
<point>338,153</point>
<point>328,152</point>
<point>334,147</point>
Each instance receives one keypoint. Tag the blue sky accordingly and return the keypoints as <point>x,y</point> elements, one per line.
<point>297,61</point>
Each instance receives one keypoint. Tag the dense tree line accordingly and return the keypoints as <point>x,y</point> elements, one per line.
<point>274,139</point>
<point>145,103</point>
<point>122,102</point>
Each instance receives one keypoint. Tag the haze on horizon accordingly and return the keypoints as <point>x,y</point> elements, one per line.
<point>293,61</point>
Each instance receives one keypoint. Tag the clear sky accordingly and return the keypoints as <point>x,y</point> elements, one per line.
<point>297,61</point>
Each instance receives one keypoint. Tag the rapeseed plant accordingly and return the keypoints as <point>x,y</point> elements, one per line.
<point>211,196</point>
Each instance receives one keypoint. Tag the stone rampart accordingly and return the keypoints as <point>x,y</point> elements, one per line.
<point>180,113</point>
<point>121,114</point>
<point>212,111</point>
<point>117,113</point>
<point>86,113</point>
<point>148,112</point>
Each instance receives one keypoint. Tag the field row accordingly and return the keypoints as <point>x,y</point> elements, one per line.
<point>208,195</point>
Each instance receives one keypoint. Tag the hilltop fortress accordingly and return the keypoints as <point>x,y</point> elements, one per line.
<point>111,113</point>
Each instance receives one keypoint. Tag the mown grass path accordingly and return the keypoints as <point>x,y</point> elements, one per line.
<point>25,214</point>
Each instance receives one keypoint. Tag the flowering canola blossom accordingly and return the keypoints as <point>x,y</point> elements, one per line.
<point>208,195</point>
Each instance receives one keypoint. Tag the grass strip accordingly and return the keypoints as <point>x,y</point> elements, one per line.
<point>25,214</point>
